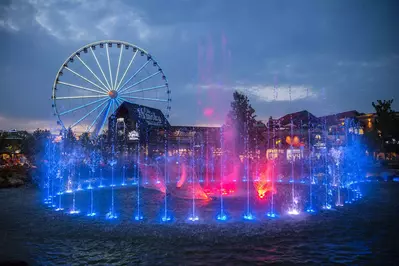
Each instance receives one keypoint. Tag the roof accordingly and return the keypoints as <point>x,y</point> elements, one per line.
<point>304,116</point>
<point>334,119</point>
<point>147,116</point>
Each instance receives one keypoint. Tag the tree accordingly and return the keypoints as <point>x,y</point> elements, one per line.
<point>240,118</point>
<point>69,141</point>
<point>85,141</point>
<point>385,119</point>
<point>34,145</point>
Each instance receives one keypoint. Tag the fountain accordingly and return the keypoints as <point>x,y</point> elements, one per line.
<point>208,179</point>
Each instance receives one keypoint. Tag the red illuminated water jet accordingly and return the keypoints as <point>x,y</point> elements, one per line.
<point>264,184</point>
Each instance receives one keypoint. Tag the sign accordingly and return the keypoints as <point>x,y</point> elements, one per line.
<point>150,116</point>
<point>133,135</point>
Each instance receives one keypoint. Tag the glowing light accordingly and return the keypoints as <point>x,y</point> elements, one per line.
<point>310,210</point>
<point>90,187</point>
<point>271,215</point>
<point>326,207</point>
<point>249,217</point>
<point>293,212</point>
<point>166,219</point>
<point>48,201</point>
<point>138,217</point>
<point>222,217</point>
<point>91,214</point>
<point>208,111</point>
<point>74,212</point>
<point>123,184</point>
<point>59,209</point>
<point>193,218</point>
<point>69,191</point>
<point>111,216</point>
<point>101,186</point>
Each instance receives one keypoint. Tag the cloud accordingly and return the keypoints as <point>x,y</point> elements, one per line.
<point>81,20</point>
<point>270,93</point>
<point>8,20</point>
<point>260,92</point>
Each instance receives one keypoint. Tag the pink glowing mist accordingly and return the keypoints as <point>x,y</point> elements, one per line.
<point>188,190</point>
<point>154,177</point>
<point>183,176</point>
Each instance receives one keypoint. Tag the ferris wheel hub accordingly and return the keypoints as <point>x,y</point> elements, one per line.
<point>113,94</point>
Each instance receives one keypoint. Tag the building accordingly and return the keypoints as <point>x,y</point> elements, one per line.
<point>291,136</point>
<point>133,124</point>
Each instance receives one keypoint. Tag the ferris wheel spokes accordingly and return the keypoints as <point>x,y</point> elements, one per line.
<point>99,66</point>
<point>135,74</point>
<point>144,98</point>
<point>80,87</point>
<point>127,69</point>
<point>80,76</point>
<point>139,82</point>
<point>81,97</point>
<point>95,120</point>
<point>86,115</point>
<point>105,117</point>
<point>145,89</point>
<point>109,67</point>
<point>88,68</point>
<point>80,107</point>
<point>117,69</point>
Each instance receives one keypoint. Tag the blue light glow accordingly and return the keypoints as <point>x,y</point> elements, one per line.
<point>111,216</point>
<point>249,217</point>
<point>138,217</point>
<point>222,217</point>
<point>91,214</point>
<point>310,210</point>
<point>193,218</point>
<point>271,215</point>
<point>166,219</point>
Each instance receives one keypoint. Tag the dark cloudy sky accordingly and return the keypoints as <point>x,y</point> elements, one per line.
<point>336,55</point>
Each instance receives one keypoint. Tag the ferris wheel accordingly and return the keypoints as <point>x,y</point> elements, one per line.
<point>96,79</point>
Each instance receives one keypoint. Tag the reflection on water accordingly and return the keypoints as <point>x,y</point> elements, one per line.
<point>361,233</point>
